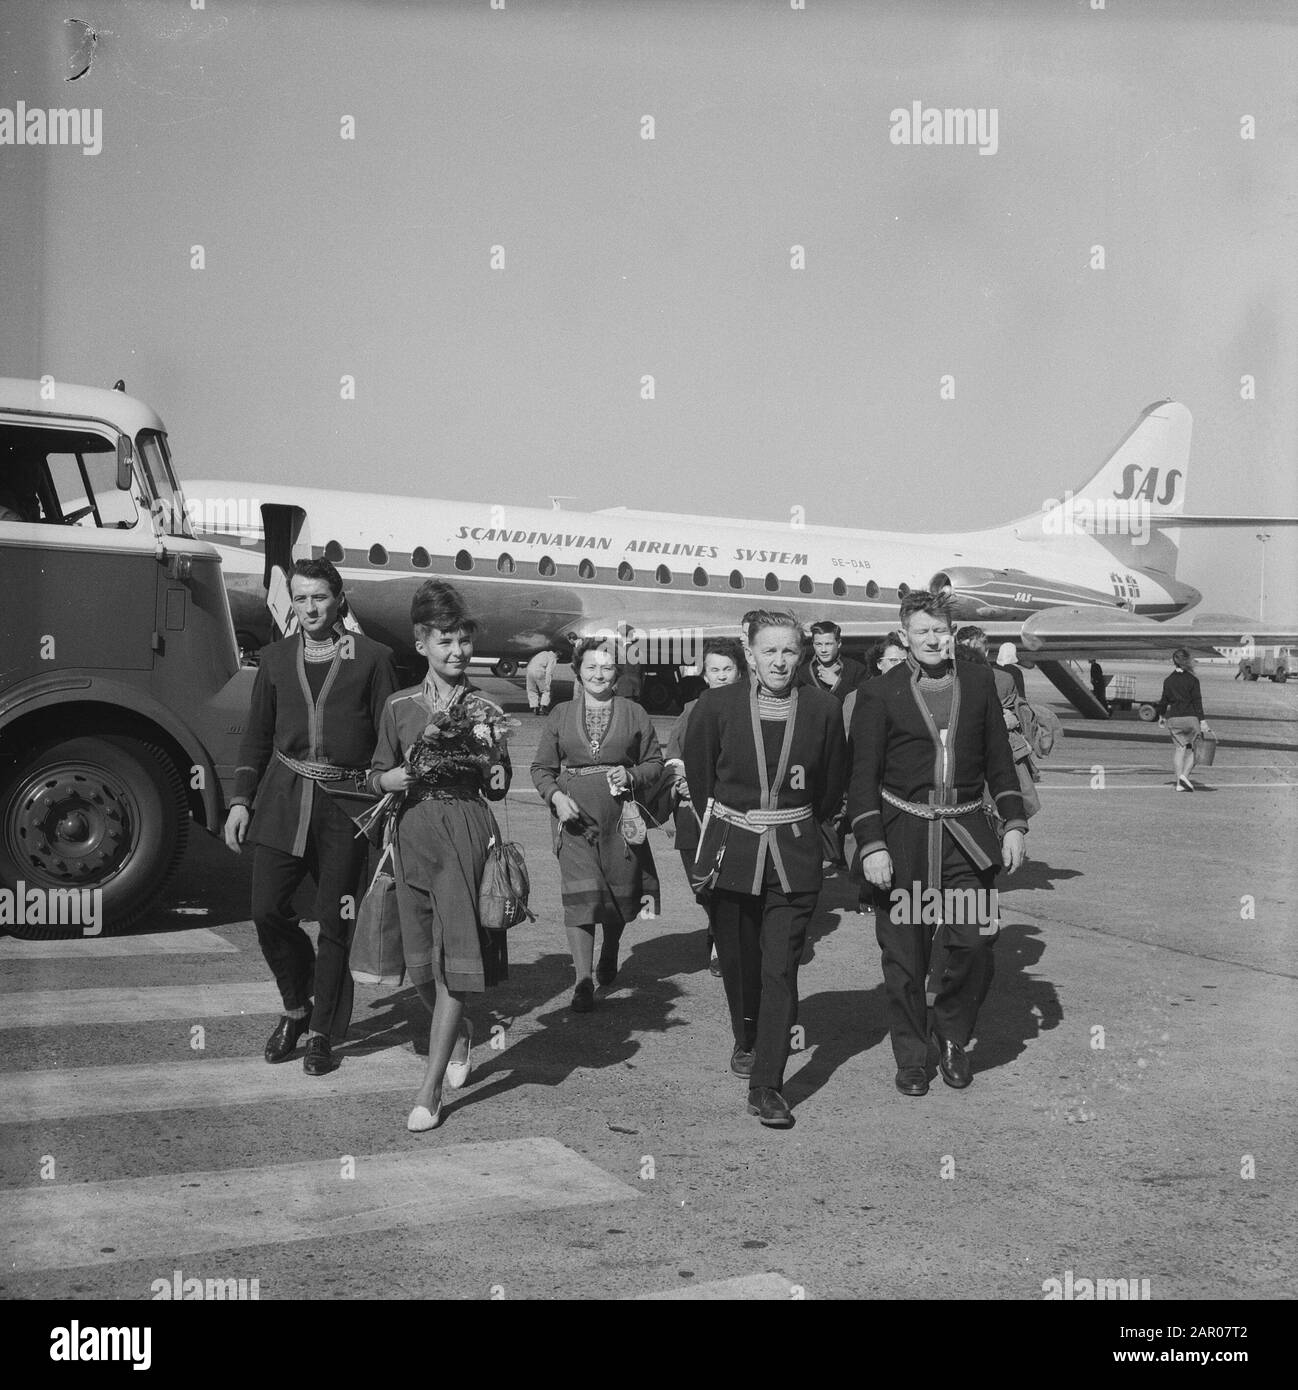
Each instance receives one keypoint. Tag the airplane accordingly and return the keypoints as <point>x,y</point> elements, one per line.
<point>1090,574</point>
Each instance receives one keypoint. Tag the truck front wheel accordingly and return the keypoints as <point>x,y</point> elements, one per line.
<point>105,813</point>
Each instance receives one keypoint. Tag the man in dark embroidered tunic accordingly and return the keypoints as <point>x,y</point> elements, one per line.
<point>311,732</point>
<point>765,762</point>
<point>925,738</point>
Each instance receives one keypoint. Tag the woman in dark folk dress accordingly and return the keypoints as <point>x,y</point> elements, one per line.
<point>595,755</point>
<point>441,747</point>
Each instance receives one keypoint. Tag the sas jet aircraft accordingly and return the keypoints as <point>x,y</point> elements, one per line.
<point>1091,574</point>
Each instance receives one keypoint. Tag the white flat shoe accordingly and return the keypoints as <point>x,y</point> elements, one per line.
<point>457,1073</point>
<point>422,1118</point>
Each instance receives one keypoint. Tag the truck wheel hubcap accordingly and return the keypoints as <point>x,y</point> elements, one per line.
<point>71,824</point>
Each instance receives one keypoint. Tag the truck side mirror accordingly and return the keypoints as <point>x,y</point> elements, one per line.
<point>125,458</point>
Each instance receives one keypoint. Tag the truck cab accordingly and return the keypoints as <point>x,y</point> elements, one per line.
<point>122,699</point>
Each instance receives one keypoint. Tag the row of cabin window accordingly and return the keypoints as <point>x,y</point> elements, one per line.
<point>546,568</point>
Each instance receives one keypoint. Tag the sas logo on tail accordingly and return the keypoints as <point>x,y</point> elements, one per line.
<point>1136,483</point>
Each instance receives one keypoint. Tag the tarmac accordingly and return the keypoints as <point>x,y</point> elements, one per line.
<point>1131,1116</point>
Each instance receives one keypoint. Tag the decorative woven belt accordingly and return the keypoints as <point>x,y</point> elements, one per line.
<point>322,772</point>
<point>595,767</point>
<point>451,791</point>
<point>930,812</point>
<point>757,821</point>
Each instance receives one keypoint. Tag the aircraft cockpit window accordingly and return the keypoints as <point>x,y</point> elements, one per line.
<point>334,552</point>
<point>585,570</point>
<point>546,567</point>
<point>805,586</point>
<point>463,560</point>
<point>420,558</point>
<point>625,573</point>
<point>840,589</point>
<point>871,589</point>
<point>736,580</point>
<point>663,575</point>
<point>772,584</point>
<point>378,554</point>
<point>504,564</point>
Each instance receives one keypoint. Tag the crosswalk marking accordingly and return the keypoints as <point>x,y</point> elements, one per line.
<point>196,1083</point>
<point>744,1286</point>
<point>199,942</point>
<point>178,1214</point>
<point>42,1008</point>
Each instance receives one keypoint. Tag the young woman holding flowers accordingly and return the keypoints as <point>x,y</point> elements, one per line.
<point>441,751</point>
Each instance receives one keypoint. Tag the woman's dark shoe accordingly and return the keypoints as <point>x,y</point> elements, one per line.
<point>319,1056</point>
<point>282,1043</point>
<point>583,997</point>
<point>770,1107</point>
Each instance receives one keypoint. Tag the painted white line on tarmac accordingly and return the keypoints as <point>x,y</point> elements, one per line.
<point>43,1008</point>
<point>175,1214</point>
<point>200,942</point>
<point>746,1287</point>
<point>1164,786</point>
<point>77,1092</point>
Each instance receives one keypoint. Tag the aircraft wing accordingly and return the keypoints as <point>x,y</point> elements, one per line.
<point>1061,634</point>
<point>1174,523</point>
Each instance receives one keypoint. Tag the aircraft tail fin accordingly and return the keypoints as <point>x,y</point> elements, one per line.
<point>1150,464</point>
<point>1129,506</point>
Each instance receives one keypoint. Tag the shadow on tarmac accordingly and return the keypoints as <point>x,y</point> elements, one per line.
<point>1022,1007</point>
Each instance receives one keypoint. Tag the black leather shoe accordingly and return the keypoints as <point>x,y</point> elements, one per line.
<point>583,997</point>
<point>912,1081</point>
<point>770,1107</point>
<point>953,1063</point>
<point>741,1062</point>
<point>319,1056</point>
<point>282,1043</point>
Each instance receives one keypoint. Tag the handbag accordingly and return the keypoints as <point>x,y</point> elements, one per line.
<point>704,873</point>
<point>1205,748</point>
<point>503,892</point>
<point>376,954</point>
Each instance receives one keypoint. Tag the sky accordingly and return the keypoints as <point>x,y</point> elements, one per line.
<point>624,257</point>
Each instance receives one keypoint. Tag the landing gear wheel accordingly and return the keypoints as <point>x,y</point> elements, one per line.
<point>505,668</point>
<point>85,813</point>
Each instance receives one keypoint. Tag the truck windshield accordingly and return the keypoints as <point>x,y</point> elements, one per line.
<point>155,459</point>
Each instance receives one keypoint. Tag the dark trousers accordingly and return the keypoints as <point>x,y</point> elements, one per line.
<point>337,859</point>
<point>759,945</point>
<point>960,956</point>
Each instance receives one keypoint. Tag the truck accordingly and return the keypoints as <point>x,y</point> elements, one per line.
<point>1271,662</point>
<point>122,697</point>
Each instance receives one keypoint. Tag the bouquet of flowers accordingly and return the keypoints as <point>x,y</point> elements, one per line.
<point>464,738</point>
